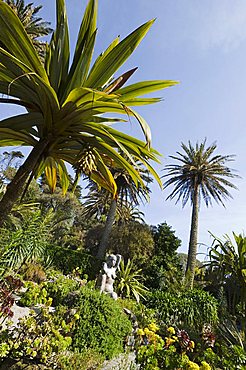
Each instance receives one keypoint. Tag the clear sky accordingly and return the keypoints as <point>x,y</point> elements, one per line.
<point>202,44</point>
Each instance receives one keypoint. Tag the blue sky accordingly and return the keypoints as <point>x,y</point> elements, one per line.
<point>202,44</point>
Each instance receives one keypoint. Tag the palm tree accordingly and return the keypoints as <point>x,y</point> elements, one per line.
<point>66,103</point>
<point>128,192</point>
<point>34,26</point>
<point>199,175</point>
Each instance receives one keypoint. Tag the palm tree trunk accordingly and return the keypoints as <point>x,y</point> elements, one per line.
<point>107,230</point>
<point>191,261</point>
<point>16,186</point>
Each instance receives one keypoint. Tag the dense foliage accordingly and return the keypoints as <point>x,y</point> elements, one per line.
<point>189,309</point>
<point>101,325</point>
<point>170,348</point>
<point>52,244</point>
<point>163,270</point>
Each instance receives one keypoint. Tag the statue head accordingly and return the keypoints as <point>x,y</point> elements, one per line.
<point>111,260</point>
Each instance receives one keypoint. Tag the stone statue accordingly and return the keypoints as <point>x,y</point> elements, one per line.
<point>108,275</point>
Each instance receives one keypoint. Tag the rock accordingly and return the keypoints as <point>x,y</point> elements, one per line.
<point>124,361</point>
<point>19,313</point>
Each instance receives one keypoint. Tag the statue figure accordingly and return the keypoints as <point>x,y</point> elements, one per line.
<point>108,275</point>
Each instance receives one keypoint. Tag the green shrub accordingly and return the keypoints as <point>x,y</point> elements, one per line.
<point>143,314</point>
<point>60,287</point>
<point>35,294</point>
<point>225,357</point>
<point>190,309</point>
<point>33,271</point>
<point>66,260</point>
<point>36,339</point>
<point>102,325</point>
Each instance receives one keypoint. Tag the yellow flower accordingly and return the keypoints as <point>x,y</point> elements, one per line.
<point>205,366</point>
<point>171,330</point>
<point>146,331</point>
<point>153,327</point>
<point>169,341</point>
<point>140,332</point>
<point>192,366</point>
<point>192,344</point>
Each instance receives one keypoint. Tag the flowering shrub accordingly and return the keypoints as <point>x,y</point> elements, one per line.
<point>171,349</point>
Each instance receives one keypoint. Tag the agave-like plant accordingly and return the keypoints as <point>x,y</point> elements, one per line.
<point>27,243</point>
<point>227,260</point>
<point>67,101</point>
<point>130,281</point>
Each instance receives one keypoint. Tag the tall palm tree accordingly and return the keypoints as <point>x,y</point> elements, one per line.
<point>200,174</point>
<point>66,103</point>
<point>128,192</point>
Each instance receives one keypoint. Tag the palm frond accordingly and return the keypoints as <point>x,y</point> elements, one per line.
<point>200,168</point>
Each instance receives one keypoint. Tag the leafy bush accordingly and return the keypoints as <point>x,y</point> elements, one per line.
<point>37,338</point>
<point>143,315</point>
<point>225,357</point>
<point>190,309</point>
<point>102,325</point>
<point>34,294</point>
<point>33,271</point>
<point>59,288</point>
<point>66,260</point>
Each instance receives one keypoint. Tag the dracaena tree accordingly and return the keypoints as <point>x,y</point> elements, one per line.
<point>199,174</point>
<point>67,103</point>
